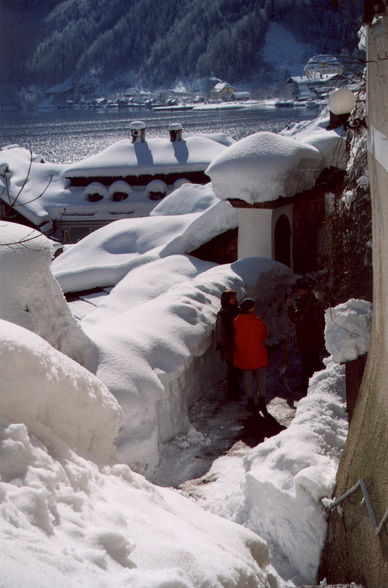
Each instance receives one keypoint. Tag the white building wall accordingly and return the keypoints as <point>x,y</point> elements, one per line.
<point>254,232</point>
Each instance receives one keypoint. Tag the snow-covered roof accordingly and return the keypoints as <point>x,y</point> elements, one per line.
<point>263,167</point>
<point>155,155</point>
<point>222,86</point>
<point>331,144</point>
<point>115,248</point>
<point>314,79</point>
<point>47,195</point>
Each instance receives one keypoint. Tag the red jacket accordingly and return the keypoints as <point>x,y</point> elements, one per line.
<point>250,333</point>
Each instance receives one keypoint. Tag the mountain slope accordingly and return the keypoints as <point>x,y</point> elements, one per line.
<point>156,43</point>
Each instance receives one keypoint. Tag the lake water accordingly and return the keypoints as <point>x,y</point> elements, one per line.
<point>65,136</point>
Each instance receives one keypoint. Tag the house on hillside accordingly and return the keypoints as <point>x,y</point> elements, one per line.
<point>312,86</point>
<point>222,91</point>
<point>323,64</point>
<point>241,96</point>
<point>127,179</point>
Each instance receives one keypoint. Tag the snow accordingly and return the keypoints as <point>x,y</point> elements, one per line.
<point>276,488</point>
<point>347,330</point>
<point>96,188</point>
<point>287,475</point>
<point>40,181</point>
<point>155,347</point>
<point>263,167</point>
<point>185,199</point>
<point>55,397</point>
<point>155,155</point>
<point>105,256</point>
<point>71,513</point>
<point>42,191</point>
<point>331,144</point>
<point>65,520</point>
<point>119,186</point>
<point>32,298</point>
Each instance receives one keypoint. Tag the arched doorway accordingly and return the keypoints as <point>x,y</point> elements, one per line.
<point>282,239</point>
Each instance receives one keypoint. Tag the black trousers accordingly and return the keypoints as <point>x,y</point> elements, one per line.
<point>311,362</point>
<point>233,379</point>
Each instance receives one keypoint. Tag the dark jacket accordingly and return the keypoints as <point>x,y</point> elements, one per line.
<point>225,331</point>
<point>309,319</point>
<point>250,334</point>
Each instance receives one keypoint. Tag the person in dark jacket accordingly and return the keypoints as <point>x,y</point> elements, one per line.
<point>307,313</point>
<point>250,354</point>
<point>225,338</point>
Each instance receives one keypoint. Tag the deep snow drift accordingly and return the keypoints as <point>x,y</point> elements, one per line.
<point>32,298</point>
<point>154,331</point>
<point>65,519</point>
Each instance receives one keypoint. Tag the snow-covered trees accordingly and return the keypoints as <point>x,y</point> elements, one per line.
<point>187,38</point>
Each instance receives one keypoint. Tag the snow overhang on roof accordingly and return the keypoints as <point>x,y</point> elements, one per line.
<point>264,167</point>
<point>314,79</point>
<point>157,155</point>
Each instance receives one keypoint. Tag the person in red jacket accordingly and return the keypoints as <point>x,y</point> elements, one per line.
<point>250,354</point>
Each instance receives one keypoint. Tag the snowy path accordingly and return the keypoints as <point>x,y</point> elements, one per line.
<point>218,423</point>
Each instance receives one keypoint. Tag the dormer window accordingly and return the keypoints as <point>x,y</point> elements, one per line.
<point>95,197</point>
<point>156,190</point>
<point>95,192</point>
<point>119,191</point>
<point>178,183</point>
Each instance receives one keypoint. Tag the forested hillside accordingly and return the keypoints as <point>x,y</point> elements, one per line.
<point>156,43</point>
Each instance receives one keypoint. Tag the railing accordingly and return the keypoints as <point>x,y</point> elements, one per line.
<point>377,527</point>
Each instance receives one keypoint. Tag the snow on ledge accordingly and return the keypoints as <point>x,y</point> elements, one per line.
<point>54,396</point>
<point>347,329</point>
<point>31,297</point>
<point>264,167</point>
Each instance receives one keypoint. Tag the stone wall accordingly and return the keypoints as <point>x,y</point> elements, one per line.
<point>353,552</point>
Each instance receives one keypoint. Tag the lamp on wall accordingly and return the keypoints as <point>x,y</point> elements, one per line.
<point>341,103</point>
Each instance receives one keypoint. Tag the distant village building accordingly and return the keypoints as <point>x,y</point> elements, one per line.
<point>222,91</point>
<point>241,96</point>
<point>310,87</point>
<point>323,64</point>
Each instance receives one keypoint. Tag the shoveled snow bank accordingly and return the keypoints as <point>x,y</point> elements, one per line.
<point>347,329</point>
<point>56,398</point>
<point>104,257</point>
<point>64,521</point>
<point>287,475</point>
<point>32,298</point>
<point>264,166</point>
<point>186,199</point>
<point>154,335</point>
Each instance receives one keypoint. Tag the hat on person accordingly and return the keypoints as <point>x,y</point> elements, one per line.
<point>247,304</point>
<point>303,284</point>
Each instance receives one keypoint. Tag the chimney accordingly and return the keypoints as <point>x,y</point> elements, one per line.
<point>137,130</point>
<point>175,130</point>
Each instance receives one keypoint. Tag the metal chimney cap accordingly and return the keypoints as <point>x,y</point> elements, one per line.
<point>175,127</point>
<point>137,125</point>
